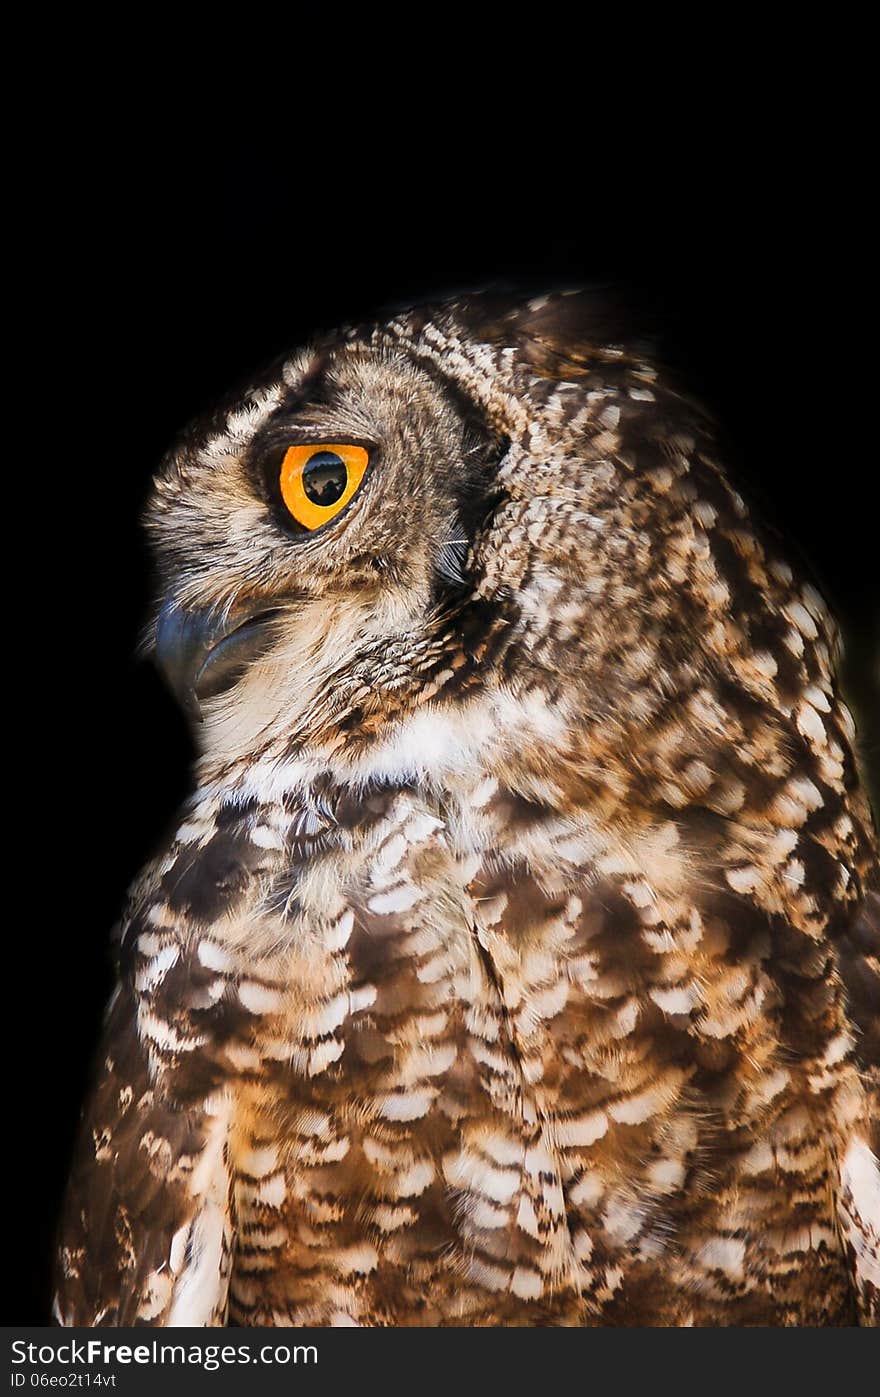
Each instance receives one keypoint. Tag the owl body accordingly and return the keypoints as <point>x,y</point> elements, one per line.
<point>514,960</point>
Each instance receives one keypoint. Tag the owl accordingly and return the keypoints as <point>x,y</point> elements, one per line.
<point>514,961</point>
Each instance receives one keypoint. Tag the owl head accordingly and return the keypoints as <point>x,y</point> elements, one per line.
<point>487,525</point>
<point>321,526</point>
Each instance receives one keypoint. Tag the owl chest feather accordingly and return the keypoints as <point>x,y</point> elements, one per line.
<point>479,1065</point>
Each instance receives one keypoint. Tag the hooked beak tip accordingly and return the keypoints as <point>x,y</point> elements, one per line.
<point>202,652</point>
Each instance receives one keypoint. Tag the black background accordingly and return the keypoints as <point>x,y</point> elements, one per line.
<point>179,261</point>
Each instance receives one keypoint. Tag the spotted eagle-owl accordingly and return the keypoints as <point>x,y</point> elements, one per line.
<point>514,961</point>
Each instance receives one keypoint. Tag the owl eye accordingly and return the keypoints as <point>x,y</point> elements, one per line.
<point>317,481</point>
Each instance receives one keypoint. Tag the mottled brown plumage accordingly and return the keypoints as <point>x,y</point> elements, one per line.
<point>515,960</point>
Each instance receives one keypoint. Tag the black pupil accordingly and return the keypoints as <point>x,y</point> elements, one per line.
<point>325,477</point>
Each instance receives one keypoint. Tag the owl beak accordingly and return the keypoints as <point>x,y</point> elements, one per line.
<point>203,652</point>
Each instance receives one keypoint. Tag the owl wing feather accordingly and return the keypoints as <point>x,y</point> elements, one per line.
<point>859,1196</point>
<point>144,1234</point>
<point>859,961</point>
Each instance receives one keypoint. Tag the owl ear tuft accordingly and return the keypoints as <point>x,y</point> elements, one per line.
<point>563,334</point>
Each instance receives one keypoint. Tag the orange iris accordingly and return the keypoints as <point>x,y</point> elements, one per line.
<point>318,480</point>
